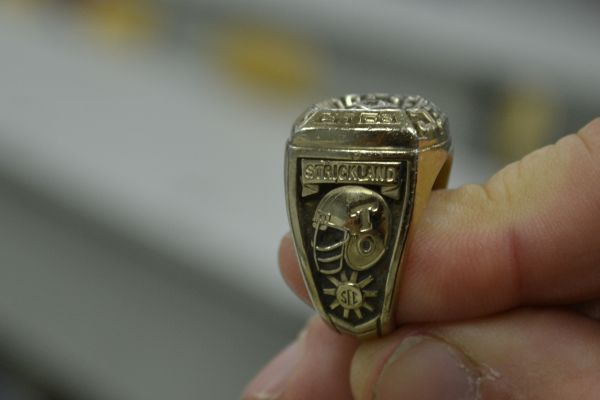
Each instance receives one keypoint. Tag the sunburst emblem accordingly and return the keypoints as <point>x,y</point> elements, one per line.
<point>349,293</point>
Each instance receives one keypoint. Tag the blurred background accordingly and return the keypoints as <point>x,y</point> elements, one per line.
<point>141,164</point>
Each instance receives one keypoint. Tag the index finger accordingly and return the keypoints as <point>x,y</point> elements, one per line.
<point>529,236</point>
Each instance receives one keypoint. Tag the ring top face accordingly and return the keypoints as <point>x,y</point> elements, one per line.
<point>352,165</point>
<point>410,122</point>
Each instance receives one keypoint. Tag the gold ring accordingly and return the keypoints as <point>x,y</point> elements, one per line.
<point>359,171</point>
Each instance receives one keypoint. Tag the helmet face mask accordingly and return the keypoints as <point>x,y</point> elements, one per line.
<point>329,246</point>
<point>351,227</point>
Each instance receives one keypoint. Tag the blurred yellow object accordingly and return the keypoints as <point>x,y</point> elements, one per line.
<point>525,120</point>
<point>270,59</point>
<point>121,21</point>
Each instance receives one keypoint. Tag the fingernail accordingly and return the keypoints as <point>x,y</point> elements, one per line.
<point>271,381</point>
<point>424,368</point>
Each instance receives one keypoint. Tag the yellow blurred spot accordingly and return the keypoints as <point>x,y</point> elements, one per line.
<point>525,120</point>
<point>270,59</point>
<point>121,21</point>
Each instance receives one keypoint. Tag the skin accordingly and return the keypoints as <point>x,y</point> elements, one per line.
<point>499,298</point>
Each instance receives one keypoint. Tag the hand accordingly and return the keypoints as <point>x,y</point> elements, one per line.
<point>500,296</point>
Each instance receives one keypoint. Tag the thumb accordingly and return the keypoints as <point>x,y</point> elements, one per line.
<point>509,356</point>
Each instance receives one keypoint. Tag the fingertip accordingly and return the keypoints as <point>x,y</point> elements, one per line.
<point>271,381</point>
<point>324,372</point>
<point>411,364</point>
<point>589,136</point>
<point>367,363</point>
<point>285,248</point>
<point>592,127</point>
<point>290,269</point>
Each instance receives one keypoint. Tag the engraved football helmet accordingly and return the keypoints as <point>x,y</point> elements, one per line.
<point>352,225</point>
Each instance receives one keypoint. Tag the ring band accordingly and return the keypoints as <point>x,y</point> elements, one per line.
<point>359,171</point>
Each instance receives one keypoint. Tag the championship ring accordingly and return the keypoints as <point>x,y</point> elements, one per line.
<point>359,171</point>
